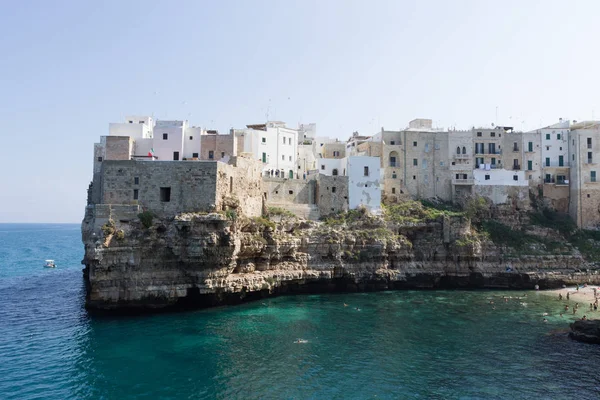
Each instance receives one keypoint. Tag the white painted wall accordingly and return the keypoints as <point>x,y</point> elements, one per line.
<point>364,190</point>
<point>280,145</point>
<point>553,148</point>
<point>326,166</point>
<point>499,177</point>
<point>141,147</point>
<point>164,149</point>
<point>307,131</point>
<point>191,141</point>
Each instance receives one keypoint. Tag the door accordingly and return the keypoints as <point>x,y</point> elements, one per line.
<point>175,156</point>
<point>561,161</point>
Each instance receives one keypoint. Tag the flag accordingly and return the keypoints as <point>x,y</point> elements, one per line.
<point>151,152</point>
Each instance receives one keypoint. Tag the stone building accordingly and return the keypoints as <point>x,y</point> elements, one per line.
<point>584,185</point>
<point>461,164</point>
<point>218,147</point>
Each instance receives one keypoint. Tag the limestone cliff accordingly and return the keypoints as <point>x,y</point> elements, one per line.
<point>195,260</point>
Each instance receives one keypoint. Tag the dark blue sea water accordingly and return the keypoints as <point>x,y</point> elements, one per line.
<point>399,345</point>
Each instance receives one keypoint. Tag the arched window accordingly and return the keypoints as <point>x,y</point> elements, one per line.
<point>394,159</point>
<point>464,150</point>
<point>458,150</point>
<point>334,172</point>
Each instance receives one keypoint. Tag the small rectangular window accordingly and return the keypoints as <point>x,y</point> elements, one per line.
<point>530,146</point>
<point>211,154</point>
<point>290,157</point>
<point>175,156</point>
<point>282,158</point>
<point>135,194</point>
<point>165,194</point>
<point>194,155</point>
<point>366,171</point>
<point>492,134</point>
<point>322,166</point>
<point>515,177</point>
<point>589,143</point>
<point>191,138</point>
<point>558,136</point>
<point>99,159</point>
<point>487,177</point>
<point>414,144</point>
<point>333,189</point>
<point>393,190</point>
<point>392,142</point>
<point>415,162</point>
<point>141,122</point>
<point>264,140</point>
<point>547,136</point>
<point>165,136</point>
<point>136,180</point>
<point>479,134</point>
<point>547,161</point>
<point>593,176</point>
<point>222,154</point>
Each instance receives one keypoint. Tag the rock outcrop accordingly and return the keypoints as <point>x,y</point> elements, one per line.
<point>587,331</point>
<point>196,260</point>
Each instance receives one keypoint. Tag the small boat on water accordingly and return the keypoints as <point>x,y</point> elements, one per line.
<point>49,264</point>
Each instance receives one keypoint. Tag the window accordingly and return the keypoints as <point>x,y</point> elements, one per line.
<point>336,153</point>
<point>282,158</point>
<point>191,138</point>
<point>283,140</point>
<point>165,136</point>
<point>426,147</point>
<point>414,144</point>
<point>264,140</point>
<point>392,142</point>
<point>590,158</point>
<point>290,192</point>
<point>415,162</point>
<point>437,146</point>
<point>136,193</point>
<point>588,196</point>
<point>589,143</point>
<point>136,180</point>
<point>366,171</point>
<point>176,156</point>
<point>194,155</point>
<point>392,161</point>
<point>487,177</point>
<point>394,176</point>
<point>211,155</point>
<point>264,156</point>
<point>558,136</point>
<point>478,134</point>
<point>492,134</point>
<point>322,166</point>
<point>333,189</point>
<point>441,163</point>
<point>464,150</point>
<point>530,146</point>
<point>457,150</point>
<point>99,159</point>
<point>561,161</point>
<point>414,177</point>
<point>547,161</point>
<point>547,136</point>
<point>165,194</point>
<point>592,176</point>
<point>222,154</point>
<point>334,172</point>
<point>424,164</point>
<point>515,177</point>
<point>493,160</point>
<point>131,122</point>
<point>393,190</point>
<point>548,178</point>
<point>560,148</point>
<point>141,122</point>
<point>290,141</point>
<point>547,148</point>
<point>529,165</point>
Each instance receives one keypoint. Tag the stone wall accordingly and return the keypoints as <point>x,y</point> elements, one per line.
<point>332,194</point>
<point>293,191</point>
<point>118,148</point>
<point>221,146</point>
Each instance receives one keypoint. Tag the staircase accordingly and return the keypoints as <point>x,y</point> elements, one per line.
<point>306,211</point>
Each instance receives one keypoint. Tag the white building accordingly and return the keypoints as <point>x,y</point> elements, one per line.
<point>333,166</point>
<point>364,187</point>
<point>307,132</point>
<point>274,144</point>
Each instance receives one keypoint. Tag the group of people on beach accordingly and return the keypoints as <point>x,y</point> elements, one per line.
<point>593,306</point>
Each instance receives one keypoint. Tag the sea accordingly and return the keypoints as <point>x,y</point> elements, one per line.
<point>385,345</point>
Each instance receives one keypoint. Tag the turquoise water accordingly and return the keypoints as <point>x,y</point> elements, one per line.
<point>403,344</point>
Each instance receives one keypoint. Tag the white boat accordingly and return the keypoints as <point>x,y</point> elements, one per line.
<point>49,264</point>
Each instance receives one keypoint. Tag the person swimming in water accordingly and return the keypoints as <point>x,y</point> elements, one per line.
<point>584,318</point>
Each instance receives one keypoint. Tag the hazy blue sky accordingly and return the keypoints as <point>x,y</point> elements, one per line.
<point>69,68</point>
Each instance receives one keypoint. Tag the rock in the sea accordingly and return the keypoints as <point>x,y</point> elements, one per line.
<point>586,331</point>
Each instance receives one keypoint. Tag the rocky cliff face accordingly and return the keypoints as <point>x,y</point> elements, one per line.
<point>196,260</point>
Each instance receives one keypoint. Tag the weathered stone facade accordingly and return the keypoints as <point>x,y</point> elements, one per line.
<point>332,194</point>
<point>217,147</point>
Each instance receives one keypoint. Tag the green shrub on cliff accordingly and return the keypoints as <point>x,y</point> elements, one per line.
<point>272,211</point>
<point>264,222</point>
<point>120,235</point>
<point>108,228</point>
<point>146,218</point>
<point>414,212</point>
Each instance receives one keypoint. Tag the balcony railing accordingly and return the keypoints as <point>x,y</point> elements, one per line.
<point>515,148</point>
<point>557,164</point>
<point>493,152</point>
<point>556,181</point>
<point>516,167</point>
<point>393,164</point>
<point>590,161</point>
<point>492,166</point>
<point>462,156</point>
<point>469,181</point>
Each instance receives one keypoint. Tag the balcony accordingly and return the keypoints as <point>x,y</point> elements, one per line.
<point>516,167</point>
<point>515,148</point>
<point>556,164</point>
<point>558,182</point>
<point>492,166</point>
<point>394,164</point>
<point>462,156</point>
<point>469,181</point>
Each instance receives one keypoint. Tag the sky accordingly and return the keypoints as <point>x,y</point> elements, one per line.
<point>68,68</point>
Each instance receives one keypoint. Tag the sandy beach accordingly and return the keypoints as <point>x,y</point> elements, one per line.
<point>584,296</point>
